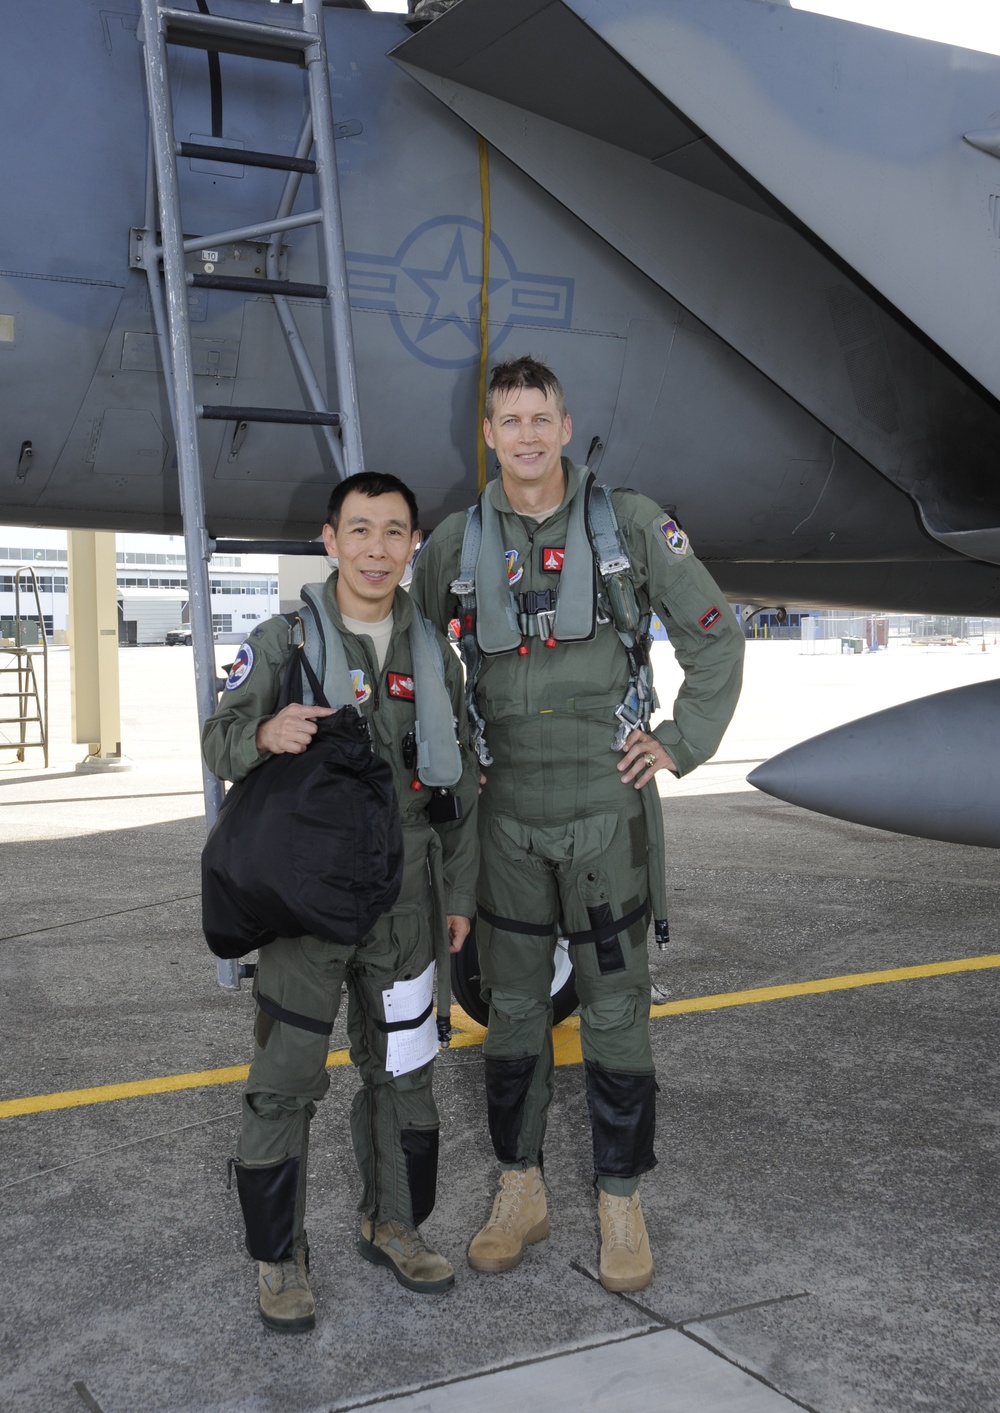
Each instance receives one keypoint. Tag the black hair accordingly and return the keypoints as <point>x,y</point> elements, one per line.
<point>370,483</point>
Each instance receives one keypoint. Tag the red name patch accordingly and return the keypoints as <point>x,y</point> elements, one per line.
<point>707,619</point>
<point>552,560</point>
<point>401,687</point>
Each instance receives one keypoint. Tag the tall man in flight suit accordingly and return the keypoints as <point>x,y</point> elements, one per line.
<point>564,823</point>
<point>371,529</point>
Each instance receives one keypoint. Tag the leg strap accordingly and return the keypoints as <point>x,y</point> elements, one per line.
<point>509,924</point>
<point>271,1008</point>
<point>604,934</point>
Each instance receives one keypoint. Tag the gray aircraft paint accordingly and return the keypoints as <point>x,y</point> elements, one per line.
<point>685,342</point>
<point>927,768</point>
<point>752,241</point>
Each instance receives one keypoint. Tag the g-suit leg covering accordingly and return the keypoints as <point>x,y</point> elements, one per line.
<point>622,1119</point>
<point>268,1198</point>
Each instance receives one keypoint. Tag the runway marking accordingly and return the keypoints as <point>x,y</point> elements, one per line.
<point>565,1037</point>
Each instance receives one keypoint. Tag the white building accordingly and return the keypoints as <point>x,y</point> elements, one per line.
<point>152,585</point>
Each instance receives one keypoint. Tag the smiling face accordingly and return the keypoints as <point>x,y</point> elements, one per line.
<point>528,432</point>
<point>374,541</point>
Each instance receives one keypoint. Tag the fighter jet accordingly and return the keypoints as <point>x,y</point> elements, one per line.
<point>758,245</point>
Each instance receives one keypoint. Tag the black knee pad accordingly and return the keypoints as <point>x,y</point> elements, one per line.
<point>420,1147</point>
<point>507,1085</point>
<point>622,1119</point>
<point>267,1196</point>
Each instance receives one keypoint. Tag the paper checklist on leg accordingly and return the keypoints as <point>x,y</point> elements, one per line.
<point>406,1002</point>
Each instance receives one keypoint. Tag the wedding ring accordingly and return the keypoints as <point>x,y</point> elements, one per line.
<point>649,758</point>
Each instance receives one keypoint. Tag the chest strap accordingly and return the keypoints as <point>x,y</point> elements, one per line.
<point>439,761</point>
<point>493,620</point>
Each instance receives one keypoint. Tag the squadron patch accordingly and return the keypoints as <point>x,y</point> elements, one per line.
<point>707,619</point>
<point>401,687</point>
<point>240,670</point>
<point>362,691</point>
<point>513,575</point>
<point>675,537</point>
<point>552,559</point>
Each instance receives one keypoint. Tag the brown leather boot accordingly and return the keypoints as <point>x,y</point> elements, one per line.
<point>626,1260</point>
<point>286,1302</point>
<point>519,1217</point>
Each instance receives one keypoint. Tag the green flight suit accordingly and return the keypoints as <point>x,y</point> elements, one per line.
<point>394,1121</point>
<point>563,840</point>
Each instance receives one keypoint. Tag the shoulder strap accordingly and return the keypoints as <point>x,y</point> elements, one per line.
<point>439,760</point>
<point>298,666</point>
<point>464,589</point>
<point>471,542</point>
<point>325,650</point>
<point>631,623</point>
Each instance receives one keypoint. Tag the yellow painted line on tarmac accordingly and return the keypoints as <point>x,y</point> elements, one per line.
<point>827,983</point>
<point>565,1037</point>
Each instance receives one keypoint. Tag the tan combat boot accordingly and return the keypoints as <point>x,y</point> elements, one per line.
<point>411,1260</point>
<point>519,1217</point>
<point>286,1302</point>
<point>626,1260</point>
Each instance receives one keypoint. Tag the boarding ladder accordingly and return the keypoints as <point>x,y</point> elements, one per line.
<point>24,693</point>
<point>282,42</point>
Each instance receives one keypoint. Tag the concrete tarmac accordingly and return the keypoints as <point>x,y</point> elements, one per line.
<point>824,1215</point>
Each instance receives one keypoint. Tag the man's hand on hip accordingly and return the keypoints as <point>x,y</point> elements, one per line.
<point>642,757</point>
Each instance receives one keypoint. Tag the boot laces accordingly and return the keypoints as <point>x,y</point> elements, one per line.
<point>286,1275</point>
<point>411,1241</point>
<point>507,1206</point>
<point>622,1228</point>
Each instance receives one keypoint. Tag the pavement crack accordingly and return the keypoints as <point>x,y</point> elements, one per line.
<point>646,1310</point>
<point>750,1373</point>
<point>118,1148</point>
<point>100,917</point>
<point>530,1362</point>
<point>682,1328</point>
<point>88,1398</point>
<point>741,1309</point>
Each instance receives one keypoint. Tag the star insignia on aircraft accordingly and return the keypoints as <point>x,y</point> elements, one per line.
<point>431,287</point>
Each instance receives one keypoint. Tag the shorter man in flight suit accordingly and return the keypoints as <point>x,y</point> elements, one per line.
<point>363,616</point>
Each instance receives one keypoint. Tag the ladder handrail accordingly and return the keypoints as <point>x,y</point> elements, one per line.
<point>163,26</point>
<point>24,656</point>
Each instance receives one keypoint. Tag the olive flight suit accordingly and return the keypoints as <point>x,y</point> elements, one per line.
<point>394,1121</point>
<point>564,841</point>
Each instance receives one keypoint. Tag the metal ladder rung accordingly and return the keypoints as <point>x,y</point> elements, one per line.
<point>246,157</point>
<point>291,415</point>
<point>192,30</point>
<point>305,48</point>
<point>292,289</point>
